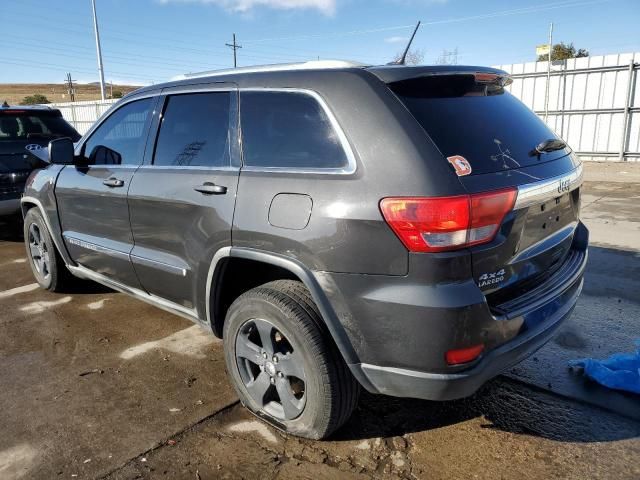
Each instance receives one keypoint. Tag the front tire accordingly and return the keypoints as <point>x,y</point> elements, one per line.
<point>283,364</point>
<point>46,264</point>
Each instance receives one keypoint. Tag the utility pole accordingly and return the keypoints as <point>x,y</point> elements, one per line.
<point>235,47</point>
<point>546,91</point>
<point>98,49</point>
<point>70,89</point>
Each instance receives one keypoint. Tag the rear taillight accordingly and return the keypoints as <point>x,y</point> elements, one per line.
<point>447,223</point>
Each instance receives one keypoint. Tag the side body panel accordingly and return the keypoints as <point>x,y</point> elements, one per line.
<point>176,229</point>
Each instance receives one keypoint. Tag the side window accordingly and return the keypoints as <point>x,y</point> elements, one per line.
<point>288,130</point>
<point>120,139</point>
<point>194,131</point>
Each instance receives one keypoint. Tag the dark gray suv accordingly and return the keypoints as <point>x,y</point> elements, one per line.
<point>410,230</point>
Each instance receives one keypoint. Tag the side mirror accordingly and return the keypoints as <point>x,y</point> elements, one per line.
<point>61,151</point>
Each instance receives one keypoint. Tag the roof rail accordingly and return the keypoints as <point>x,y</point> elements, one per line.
<point>278,67</point>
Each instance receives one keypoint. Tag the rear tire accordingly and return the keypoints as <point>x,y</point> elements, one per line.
<point>283,363</point>
<point>46,263</point>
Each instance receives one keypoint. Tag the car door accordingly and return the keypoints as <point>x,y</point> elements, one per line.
<point>92,194</point>
<point>182,200</point>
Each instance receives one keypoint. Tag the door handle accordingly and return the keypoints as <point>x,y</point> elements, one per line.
<point>113,182</point>
<point>209,188</point>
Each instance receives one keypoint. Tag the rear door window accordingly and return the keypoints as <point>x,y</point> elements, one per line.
<point>481,122</point>
<point>194,131</point>
<point>288,130</point>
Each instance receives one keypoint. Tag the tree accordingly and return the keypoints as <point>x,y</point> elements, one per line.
<point>35,99</point>
<point>116,94</point>
<point>562,51</point>
<point>414,57</point>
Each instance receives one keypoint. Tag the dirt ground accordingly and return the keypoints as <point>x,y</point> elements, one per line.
<point>95,384</point>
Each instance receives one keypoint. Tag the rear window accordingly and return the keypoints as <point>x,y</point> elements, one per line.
<point>24,125</point>
<point>481,122</point>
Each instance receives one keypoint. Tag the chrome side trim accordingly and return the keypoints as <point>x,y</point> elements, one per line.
<point>95,247</point>
<point>36,202</point>
<point>538,192</point>
<point>159,265</point>
<point>83,272</point>
<point>219,255</point>
<point>344,142</point>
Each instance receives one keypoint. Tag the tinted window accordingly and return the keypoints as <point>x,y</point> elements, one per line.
<point>120,138</point>
<point>482,122</point>
<point>194,131</point>
<point>24,125</point>
<point>289,130</point>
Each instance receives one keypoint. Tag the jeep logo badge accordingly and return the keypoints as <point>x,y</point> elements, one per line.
<point>564,185</point>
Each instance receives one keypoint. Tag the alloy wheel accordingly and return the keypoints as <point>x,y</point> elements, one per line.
<point>271,369</point>
<point>39,251</point>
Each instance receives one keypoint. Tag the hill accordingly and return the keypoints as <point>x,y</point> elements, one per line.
<point>13,93</point>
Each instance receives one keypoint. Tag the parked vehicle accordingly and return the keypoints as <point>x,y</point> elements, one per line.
<point>410,230</point>
<point>20,128</point>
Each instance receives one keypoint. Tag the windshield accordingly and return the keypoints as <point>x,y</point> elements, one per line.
<point>25,125</point>
<point>477,120</point>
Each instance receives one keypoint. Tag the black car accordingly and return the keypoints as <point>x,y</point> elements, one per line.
<point>411,230</point>
<point>24,129</point>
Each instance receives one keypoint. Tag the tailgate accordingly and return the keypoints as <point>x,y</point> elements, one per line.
<point>534,239</point>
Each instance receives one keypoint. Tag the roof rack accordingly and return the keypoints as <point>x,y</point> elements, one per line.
<point>278,67</point>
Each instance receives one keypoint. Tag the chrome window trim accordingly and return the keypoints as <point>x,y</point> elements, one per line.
<point>539,192</point>
<point>348,169</point>
<point>189,167</point>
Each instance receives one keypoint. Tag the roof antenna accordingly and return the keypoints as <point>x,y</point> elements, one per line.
<point>401,60</point>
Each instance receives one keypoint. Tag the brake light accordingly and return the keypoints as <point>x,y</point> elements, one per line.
<point>463,355</point>
<point>447,223</point>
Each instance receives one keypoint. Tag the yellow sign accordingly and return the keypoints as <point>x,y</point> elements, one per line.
<point>543,49</point>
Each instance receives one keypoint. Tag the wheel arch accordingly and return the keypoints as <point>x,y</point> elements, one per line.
<point>284,267</point>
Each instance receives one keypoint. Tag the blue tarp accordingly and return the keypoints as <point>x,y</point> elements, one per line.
<point>621,371</point>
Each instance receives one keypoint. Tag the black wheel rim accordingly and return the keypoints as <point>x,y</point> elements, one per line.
<point>272,369</point>
<point>39,251</point>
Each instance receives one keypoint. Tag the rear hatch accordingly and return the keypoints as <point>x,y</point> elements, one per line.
<point>493,142</point>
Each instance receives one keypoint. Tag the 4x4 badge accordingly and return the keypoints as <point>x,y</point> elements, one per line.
<point>460,164</point>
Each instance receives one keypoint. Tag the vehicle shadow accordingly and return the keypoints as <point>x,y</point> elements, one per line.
<point>504,404</point>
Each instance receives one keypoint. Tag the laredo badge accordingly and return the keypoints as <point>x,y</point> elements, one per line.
<point>460,164</point>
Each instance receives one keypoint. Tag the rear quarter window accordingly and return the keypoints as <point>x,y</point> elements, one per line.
<point>288,130</point>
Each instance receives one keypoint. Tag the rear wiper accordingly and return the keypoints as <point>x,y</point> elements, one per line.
<point>547,146</point>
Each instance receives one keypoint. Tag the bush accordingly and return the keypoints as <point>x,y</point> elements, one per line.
<point>36,99</point>
<point>116,94</point>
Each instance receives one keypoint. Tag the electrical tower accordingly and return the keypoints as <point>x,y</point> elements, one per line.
<point>235,48</point>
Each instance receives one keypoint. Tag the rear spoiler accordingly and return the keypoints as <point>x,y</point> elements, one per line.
<point>394,73</point>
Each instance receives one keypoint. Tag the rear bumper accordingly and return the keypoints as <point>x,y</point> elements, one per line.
<point>402,327</point>
<point>442,386</point>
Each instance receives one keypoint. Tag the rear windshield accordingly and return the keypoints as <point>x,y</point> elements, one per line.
<point>481,122</point>
<point>24,125</point>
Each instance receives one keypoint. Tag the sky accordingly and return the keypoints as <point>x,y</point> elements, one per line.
<point>151,41</point>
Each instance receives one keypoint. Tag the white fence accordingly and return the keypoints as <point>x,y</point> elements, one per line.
<point>83,114</point>
<point>594,102</point>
